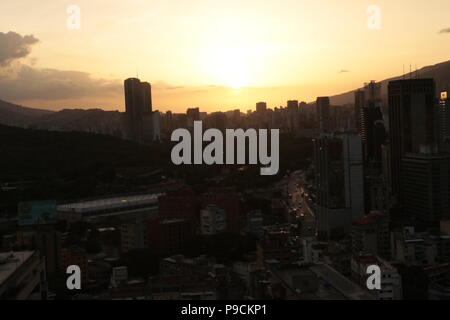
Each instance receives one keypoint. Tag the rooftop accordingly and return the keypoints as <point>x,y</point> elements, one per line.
<point>110,203</point>
<point>9,264</point>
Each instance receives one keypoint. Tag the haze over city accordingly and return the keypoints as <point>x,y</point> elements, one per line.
<point>216,56</point>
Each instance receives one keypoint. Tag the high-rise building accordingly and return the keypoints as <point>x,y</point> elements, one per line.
<point>359,104</point>
<point>138,103</point>
<point>339,183</point>
<point>444,122</point>
<point>372,125</point>
<point>147,97</point>
<point>411,122</point>
<point>420,169</point>
<point>323,113</point>
<point>425,183</point>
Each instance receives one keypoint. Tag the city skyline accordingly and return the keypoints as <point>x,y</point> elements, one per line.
<point>217,57</point>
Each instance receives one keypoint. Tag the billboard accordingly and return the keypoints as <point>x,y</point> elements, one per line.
<point>36,212</point>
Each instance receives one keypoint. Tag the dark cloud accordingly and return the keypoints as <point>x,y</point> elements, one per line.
<point>51,84</point>
<point>446,30</point>
<point>14,46</point>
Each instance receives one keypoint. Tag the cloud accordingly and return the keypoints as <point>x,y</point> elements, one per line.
<point>14,46</point>
<point>50,84</point>
<point>446,30</point>
<point>344,71</point>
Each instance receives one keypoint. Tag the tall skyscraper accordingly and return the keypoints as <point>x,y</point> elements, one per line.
<point>420,171</point>
<point>147,96</point>
<point>372,125</point>
<point>323,113</point>
<point>425,183</point>
<point>359,104</point>
<point>339,182</point>
<point>411,121</point>
<point>444,122</point>
<point>138,103</point>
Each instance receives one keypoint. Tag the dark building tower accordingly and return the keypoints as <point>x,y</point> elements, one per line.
<point>444,122</point>
<point>372,125</point>
<point>138,105</point>
<point>323,113</point>
<point>147,97</point>
<point>420,172</point>
<point>411,121</point>
<point>425,187</point>
<point>359,104</point>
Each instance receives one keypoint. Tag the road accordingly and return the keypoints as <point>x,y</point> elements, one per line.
<point>299,206</point>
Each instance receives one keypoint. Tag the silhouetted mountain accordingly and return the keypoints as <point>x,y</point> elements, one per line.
<point>91,120</point>
<point>439,72</point>
<point>19,116</point>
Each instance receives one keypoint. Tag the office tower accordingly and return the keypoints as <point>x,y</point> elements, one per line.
<point>261,107</point>
<point>147,96</point>
<point>138,102</point>
<point>359,104</point>
<point>372,125</point>
<point>444,122</point>
<point>339,183</point>
<point>323,113</point>
<point>411,122</point>
<point>420,171</point>
<point>425,184</point>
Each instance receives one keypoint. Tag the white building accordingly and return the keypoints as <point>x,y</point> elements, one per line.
<point>213,220</point>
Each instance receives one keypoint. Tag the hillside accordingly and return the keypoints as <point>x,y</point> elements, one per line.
<point>439,72</point>
<point>19,116</point>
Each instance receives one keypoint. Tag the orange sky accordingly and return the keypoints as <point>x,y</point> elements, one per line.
<point>216,55</point>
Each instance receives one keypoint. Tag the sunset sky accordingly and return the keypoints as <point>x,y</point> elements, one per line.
<point>216,55</point>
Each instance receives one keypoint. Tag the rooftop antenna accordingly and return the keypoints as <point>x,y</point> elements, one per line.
<point>410,72</point>
<point>403,72</point>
